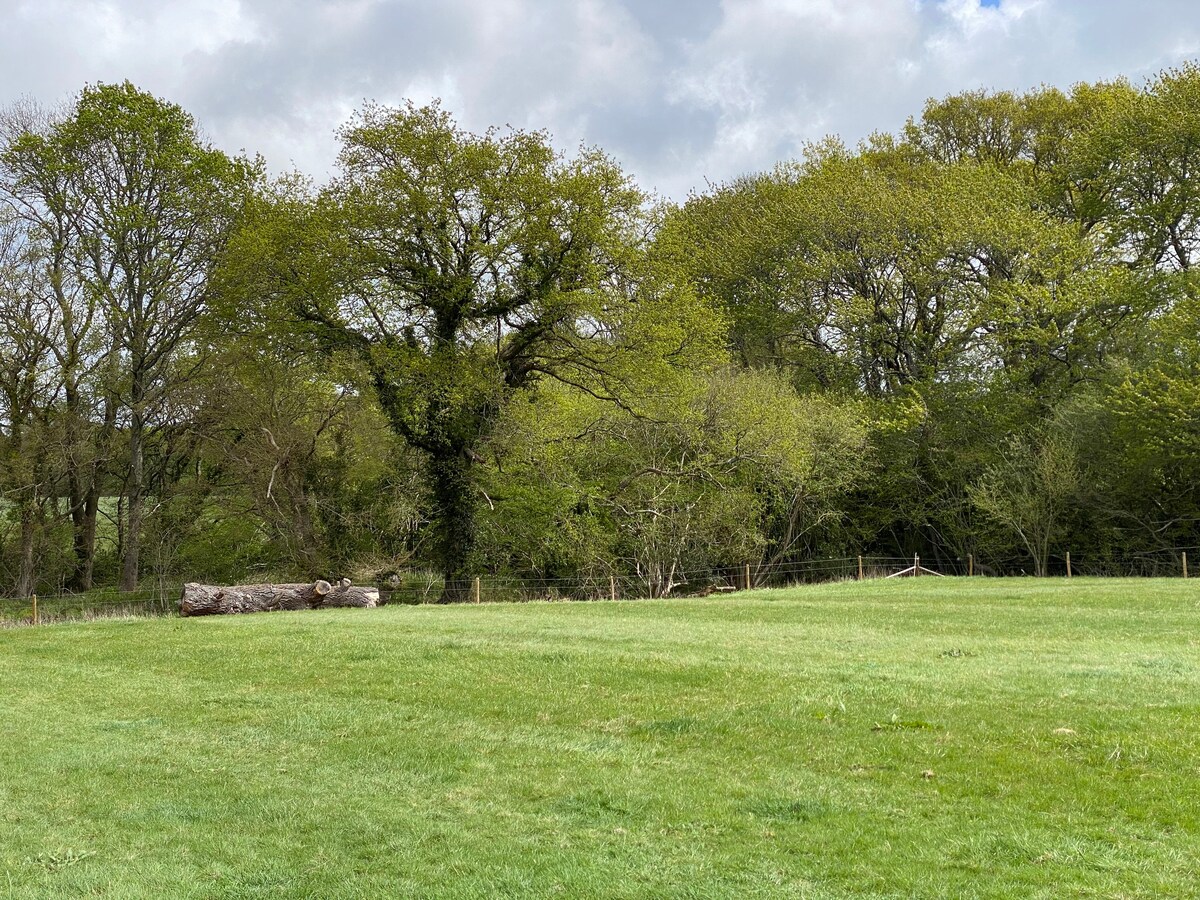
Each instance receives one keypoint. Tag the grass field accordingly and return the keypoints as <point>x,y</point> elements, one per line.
<point>934,738</point>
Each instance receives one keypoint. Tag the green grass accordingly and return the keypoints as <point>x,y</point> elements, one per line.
<point>991,738</point>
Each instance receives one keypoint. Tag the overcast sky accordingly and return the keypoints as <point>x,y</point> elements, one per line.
<point>680,91</point>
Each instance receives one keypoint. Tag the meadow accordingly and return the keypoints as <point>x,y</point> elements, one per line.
<point>924,738</point>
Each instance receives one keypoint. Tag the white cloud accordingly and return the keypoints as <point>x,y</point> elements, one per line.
<point>682,91</point>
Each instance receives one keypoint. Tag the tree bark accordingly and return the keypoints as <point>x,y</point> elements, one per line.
<point>86,547</point>
<point>133,531</point>
<point>85,484</point>
<point>455,504</point>
<point>80,578</point>
<point>85,507</point>
<point>97,471</point>
<point>207,599</point>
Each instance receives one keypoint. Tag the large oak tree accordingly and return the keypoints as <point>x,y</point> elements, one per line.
<point>459,268</point>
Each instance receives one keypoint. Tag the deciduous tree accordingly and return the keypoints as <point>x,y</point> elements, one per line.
<point>461,268</point>
<point>141,206</point>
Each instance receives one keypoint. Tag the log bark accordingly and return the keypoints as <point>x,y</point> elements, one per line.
<point>209,599</point>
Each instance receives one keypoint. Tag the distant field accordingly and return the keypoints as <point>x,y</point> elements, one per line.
<point>934,738</point>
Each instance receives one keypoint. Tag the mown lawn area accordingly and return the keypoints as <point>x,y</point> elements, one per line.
<point>931,738</point>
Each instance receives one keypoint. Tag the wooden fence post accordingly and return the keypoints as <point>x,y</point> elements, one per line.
<point>612,587</point>
<point>475,589</point>
<point>860,571</point>
<point>1068,563</point>
<point>747,576</point>
<point>36,620</point>
<point>970,564</point>
<point>916,565</point>
<point>1185,564</point>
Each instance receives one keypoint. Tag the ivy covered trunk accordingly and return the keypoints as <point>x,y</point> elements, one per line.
<point>454,503</point>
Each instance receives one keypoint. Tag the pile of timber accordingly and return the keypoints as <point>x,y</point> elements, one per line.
<point>209,599</point>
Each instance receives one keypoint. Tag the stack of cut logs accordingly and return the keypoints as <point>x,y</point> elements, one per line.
<point>208,599</point>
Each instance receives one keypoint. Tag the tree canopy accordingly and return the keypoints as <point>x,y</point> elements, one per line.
<point>472,352</point>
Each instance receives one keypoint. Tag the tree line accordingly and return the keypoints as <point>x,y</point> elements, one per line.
<point>473,353</point>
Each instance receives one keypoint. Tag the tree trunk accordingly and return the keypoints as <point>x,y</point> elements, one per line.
<point>1041,558</point>
<point>85,536</point>
<point>85,507</point>
<point>455,505</point>
<point>79,487</point>
<point>25,577</point>
<point>133,530</point>
<point>207,599</point>
<point>77,499</point>
<point>86,545</point>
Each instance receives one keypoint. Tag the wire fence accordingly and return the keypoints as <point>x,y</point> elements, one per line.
<point>104,604</point>
<point>417,587</point>
<point>427,587</point>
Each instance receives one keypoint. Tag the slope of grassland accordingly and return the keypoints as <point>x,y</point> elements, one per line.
<point>931,738</point>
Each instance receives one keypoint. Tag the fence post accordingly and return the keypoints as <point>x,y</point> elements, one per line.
<point>916,565</point>
<point>612,587</point>
<point>970,564</point>
<point>36,621</point>
<point>747,576</point>
<point>1185,564</point>
<point>475,589</point>
<point>860,572</point>
<point>1068,563</point>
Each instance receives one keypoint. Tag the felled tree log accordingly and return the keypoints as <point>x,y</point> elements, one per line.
<point>209,599</point>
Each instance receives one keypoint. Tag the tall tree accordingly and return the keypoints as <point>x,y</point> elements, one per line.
<point>459,267</point>
<point>28,331</point>
<point>149,205</point>
<point>36,186</point>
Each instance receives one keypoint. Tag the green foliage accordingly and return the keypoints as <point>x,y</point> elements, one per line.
<point>1028,490</point>
<point>1141,156</point>
<point>729,467</point>
<point>471,352</point>
<point>461,269</point>
<point>867,272</point>
<point>127,211</point>
<point>1009,259</point>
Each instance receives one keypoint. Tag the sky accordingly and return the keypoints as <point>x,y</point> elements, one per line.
<point>684,93</point>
